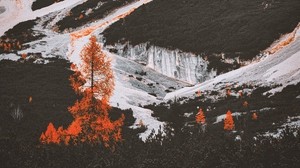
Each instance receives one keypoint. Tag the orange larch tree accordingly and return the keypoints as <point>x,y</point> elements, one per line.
<point>245,104</point>
<point>50,135</point>
<point>200,117</point>
<point>254,116</point>
<point>198,93</point>
<point>94,82</point>
<point>97,84</point>
<point>76,79</point>
<point>228,122</point>
<point>228,92</point>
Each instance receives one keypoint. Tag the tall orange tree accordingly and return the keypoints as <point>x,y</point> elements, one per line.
<point>228,122</point>
<point>94,82</point>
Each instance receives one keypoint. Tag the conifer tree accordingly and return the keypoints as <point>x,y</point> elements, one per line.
<point>50,135</point>
<point>228,122</point>
<point>200,117</point>
<point>254,116</point>
<point>96,84</point>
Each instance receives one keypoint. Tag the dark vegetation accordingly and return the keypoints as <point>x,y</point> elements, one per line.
<point>18,35</point>
<point>39,4</point>
<point>187,149</point>
<point>79,17</point>
<point>274,109</point>
<point>51,94</point>
<point>234,27</point>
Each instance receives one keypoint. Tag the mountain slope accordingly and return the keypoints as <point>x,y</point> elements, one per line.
<point>136,85</point>
<point>234,27</point>
<point>279,69</point>
<point>20,10</point>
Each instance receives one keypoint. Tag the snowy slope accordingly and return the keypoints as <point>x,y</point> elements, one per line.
<point>126,94</point>
<point>129,91</point>
<point>281,68</point>
<point>17,11</point>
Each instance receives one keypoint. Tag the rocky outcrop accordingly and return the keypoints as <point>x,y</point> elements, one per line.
<point>173,63</point>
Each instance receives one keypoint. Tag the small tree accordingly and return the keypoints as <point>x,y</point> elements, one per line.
<point>50,135</point>
<point>228,122</point>
<point>228,92</point>
<point>245,104</point>
<point>254,116</point>
<point>199,93</point>
<point>200,117</point>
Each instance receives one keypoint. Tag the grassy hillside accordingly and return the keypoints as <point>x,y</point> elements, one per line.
<point>235,27</point>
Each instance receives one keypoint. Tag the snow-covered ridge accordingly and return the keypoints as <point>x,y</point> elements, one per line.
<point>17,11</point>
<point>282,68</point>
<point>180,65</point>
<point>283,41</point>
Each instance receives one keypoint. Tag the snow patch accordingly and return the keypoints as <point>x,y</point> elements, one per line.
<point>292,122</point>
<point>10,56</point>
<point>222,117</point>
<point>18,11</point>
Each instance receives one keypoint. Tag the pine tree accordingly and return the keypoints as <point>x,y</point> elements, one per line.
<point>228,122</point>
<point>228,92</point>
<point>95,81</point>
<point>254,116</point>
<point>50,135</point>
<point>200,117</point>
<point>245,104</point>
<point>97,69</point>
<point>199,93</point>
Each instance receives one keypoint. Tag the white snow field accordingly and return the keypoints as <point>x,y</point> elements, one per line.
<point>17,11</point>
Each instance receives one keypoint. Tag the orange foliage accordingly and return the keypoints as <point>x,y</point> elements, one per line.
<point>245,104</point>
<point>200,117</point>
<point>50,136</point>
<point>228,122</point>
<point>228,92</point>
<point>81,16</point>
<point>76,79</point>
<point>199,93</point>
<point>95,83</point>
<point>10,45</point>
<point>240,94</point>
<point>254,116</point>
<point>96,64</point>
<point>290,38</point>
<point>74,128</point>
<point>24,56</point>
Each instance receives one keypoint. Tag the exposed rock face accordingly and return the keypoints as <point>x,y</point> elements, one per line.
<point>173,63</point>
